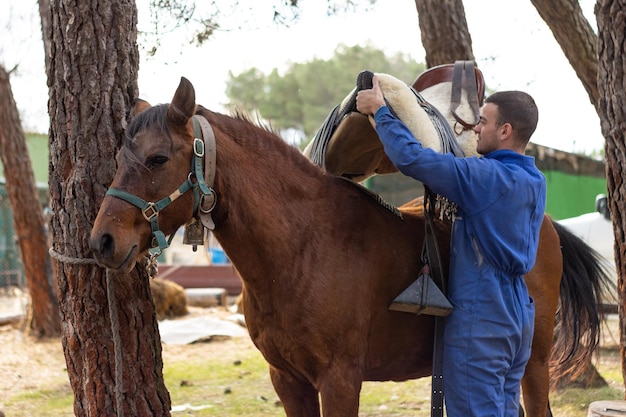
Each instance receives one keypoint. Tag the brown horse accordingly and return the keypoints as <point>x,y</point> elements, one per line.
<point>320,258</point>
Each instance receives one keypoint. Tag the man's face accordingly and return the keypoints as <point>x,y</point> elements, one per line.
<point>487,129</point>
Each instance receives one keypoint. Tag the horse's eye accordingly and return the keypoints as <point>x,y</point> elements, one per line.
<point>157,161</point>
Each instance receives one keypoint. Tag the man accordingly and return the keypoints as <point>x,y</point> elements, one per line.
<point>500,200</point>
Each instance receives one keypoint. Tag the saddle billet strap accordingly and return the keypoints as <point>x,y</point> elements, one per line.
<point>430,253</point>
<point>437,394</point>
<point>431,257</point>
<point>464,78</point>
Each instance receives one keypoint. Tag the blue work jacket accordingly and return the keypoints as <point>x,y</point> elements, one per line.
<point>501,197</point>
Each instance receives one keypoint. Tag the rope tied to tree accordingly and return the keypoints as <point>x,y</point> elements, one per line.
<point>69,259</point>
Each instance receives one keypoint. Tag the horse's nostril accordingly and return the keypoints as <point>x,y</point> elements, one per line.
<point>105,245</point>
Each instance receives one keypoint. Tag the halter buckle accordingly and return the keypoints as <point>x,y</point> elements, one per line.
<point>207,202</point>
<point>150,212</point>
<point>198,147</point>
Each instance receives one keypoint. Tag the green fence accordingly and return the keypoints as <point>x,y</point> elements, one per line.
<point>11,267</point>
<point>572,195</point>
<point>573,182</point>
<point>11,270</point>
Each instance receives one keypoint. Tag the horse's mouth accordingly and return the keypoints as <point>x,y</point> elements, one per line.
<point>123,267</point>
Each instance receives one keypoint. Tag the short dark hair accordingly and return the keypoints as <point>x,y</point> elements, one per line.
<point>519,110</point>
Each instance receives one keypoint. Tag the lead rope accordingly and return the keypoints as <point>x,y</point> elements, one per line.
<point>115,324</point>
<point>114,317</point>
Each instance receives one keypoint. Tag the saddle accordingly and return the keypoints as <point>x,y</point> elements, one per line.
<point>347,145</point>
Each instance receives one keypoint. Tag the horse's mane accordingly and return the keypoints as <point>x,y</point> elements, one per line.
<point>271,141</point>
<point>156,115</point>
<point>254,133</point>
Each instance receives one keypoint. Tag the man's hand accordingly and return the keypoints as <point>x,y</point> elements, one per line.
<point>368,101</point>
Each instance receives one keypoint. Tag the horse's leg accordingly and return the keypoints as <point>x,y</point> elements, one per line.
<point>536,382</point>
<point>340,391</point>
<point>544,286</point>
<point>299,397</point>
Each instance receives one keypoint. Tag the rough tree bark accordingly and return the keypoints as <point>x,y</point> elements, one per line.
<point>109,329</point>
<point>576,38</point>
<point>611,18</point>
<point>27,215</point>
<point>445,35</point>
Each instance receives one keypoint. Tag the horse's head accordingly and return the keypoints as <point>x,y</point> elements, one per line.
<point>153,178</point>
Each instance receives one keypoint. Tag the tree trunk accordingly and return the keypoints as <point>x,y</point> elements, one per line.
<point>27,215</point>
<point>44,16</point>
<point>576,38</point>
<point>109,328</point>
<point>611,18</point>
<point>445,35</point>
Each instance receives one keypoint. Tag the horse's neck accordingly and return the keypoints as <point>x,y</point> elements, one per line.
<point>265,195</point>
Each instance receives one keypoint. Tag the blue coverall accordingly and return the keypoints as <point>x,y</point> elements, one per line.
<point>501,200</point>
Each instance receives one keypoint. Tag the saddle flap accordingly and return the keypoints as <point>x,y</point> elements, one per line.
<point>354,150</point>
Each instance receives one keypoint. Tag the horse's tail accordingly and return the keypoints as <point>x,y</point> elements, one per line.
<point>584,284</point>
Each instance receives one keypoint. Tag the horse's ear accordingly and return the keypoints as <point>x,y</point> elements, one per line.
<point>183,105</point>
<point>140,105</point>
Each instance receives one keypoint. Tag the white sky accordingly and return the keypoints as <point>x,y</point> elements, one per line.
<point>513,47</point>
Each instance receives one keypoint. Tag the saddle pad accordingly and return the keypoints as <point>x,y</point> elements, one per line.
<point>354,150</point>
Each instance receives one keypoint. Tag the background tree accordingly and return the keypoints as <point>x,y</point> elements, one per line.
<point>109,332</point>
<point>302,97</point>
<point>576,38</point>
<point>445,35</point>
<point>610,15</point>
<point>27,215</point>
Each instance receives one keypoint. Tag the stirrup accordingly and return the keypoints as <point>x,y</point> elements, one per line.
<point>423,296</point>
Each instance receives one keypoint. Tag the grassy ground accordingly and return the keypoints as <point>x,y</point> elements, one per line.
<point>229,377</point>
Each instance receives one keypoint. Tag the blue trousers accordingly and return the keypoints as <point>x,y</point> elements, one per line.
<point>487,343</point>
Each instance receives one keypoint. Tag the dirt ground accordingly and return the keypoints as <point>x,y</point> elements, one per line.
<point>28,365</point>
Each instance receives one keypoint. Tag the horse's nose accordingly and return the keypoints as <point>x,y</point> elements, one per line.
<point>103,245</point>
